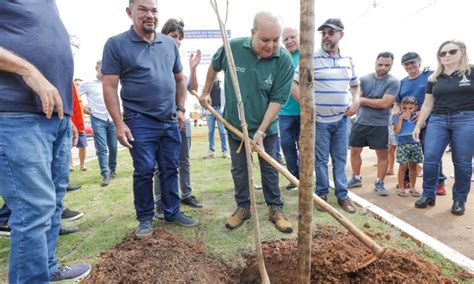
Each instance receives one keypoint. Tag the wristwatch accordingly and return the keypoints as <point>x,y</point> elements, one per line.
<point>181,109</point>
<point>261,133</point>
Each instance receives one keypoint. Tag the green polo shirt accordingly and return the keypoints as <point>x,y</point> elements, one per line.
<point>261,81</point>
<point>292,107</point>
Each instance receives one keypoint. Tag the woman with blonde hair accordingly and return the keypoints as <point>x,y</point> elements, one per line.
<point>449,104</point>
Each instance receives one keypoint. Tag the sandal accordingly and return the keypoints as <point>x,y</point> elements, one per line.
<point>401,192</point>
<point>415,193</point>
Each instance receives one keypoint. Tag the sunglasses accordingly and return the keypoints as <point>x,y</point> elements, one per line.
<point>329,32</point>
<point>451,52</point>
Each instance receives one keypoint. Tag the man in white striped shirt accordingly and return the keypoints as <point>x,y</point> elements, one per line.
<point>334,76</point>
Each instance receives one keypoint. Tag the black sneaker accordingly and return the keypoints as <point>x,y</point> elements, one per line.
<point>71,215</point>
<point>75,272</point>
<point>72,187</point>
<point>191,201</point>
<point>5,231</point>
<point>113,173</point>
<point>105,181</point>
<point>66,230</point>
<point>291,187</point>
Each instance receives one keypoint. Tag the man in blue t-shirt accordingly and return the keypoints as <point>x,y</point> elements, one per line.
<point>415,85</point>
<point>378,91</point>
<point>35,137</point>
<point>148,66</point>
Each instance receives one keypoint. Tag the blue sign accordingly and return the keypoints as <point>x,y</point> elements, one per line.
<point>203,34</point>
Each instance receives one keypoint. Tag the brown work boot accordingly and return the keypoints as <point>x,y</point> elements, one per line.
<point>276,216</point>
<point>237,218</point>
<point>346,206</point>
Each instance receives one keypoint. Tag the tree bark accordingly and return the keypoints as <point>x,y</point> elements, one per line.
<point>306,142</point>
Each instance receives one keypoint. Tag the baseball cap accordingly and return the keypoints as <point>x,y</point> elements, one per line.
<point>333,23</point>
<point>410,56</point>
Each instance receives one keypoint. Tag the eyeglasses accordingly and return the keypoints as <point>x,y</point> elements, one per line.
<point>329,32</point>
<point>451,52</point>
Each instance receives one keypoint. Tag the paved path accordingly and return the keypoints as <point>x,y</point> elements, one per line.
<point>456,232</point>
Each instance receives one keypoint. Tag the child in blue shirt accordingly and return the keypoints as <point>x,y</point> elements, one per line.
<point>409,152</point>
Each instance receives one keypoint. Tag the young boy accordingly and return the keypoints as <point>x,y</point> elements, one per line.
<point>409,152</point>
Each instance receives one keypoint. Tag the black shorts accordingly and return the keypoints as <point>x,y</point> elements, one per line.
<point>376,137</point>
<point>82,141</point>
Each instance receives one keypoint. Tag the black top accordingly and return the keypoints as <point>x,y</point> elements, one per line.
<point>452,93</point>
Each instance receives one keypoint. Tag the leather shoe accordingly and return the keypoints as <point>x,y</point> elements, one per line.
<point>346,206</point>
<point>66,230</point>
<point>325,198</point>
<point>458,208</point>
<point>72,187</point>
<point>423,202</point>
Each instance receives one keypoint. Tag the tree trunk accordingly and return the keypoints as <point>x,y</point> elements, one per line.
<point>306,142</point>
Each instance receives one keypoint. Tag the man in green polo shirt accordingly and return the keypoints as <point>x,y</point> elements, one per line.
<point>264,71</point>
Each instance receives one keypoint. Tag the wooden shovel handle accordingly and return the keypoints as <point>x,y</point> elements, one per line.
<point>361,236</point>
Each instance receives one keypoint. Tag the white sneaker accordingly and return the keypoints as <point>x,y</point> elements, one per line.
<point>226,155</point>
<point>209,155</point>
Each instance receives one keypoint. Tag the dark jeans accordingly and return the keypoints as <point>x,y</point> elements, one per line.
<point>5,213</point>
<point>154,141</point>
<point>271,189</point>
<point>457,128</point>
<point>289,136</point>
<point>184,167</point>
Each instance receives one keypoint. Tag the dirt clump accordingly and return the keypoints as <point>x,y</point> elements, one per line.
<point>336,258</point>
<point>162,258</point>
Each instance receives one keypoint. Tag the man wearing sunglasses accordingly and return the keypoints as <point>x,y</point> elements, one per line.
<point>334,75</point>
<point>415,85</point>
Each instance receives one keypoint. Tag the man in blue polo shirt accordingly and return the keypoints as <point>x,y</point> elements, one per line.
<point>153,97</point>
<point>35,137</point>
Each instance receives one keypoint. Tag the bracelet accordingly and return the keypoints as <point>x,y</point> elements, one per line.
<point>261,133</point>
<point>181,109</point>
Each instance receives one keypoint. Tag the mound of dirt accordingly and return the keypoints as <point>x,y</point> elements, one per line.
<point>336,257</point>
<point>162,258</point>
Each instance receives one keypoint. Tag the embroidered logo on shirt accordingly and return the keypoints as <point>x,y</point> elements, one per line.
<point>240,69</point>
<point>464,82</point>
<point>269,80</point>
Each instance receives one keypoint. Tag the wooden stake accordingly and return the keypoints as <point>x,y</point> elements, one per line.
<point>248,148</point>
<point>306,142</point>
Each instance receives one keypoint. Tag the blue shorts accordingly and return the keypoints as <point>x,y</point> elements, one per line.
<point>82,141</point>
<point>409,153</point>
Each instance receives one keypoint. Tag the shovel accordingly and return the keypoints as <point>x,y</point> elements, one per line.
<point>377,251</point>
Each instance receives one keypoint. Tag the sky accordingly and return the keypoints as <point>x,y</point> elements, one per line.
<point>398,26</point>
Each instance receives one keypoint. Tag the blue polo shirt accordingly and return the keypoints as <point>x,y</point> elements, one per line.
<point>34,31</point>
<point>146,71</point>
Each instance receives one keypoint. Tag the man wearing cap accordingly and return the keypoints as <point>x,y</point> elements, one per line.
<point>289,115</point>
<point>334,76</point>
<point>378,91</point>
<point>415,85</point>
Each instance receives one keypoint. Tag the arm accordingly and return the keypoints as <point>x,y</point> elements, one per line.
<point>398,126</point>
<point>211,76</point>
<point>270,114</point>
<point>193,64</point>
<point>48,94</point>
<point>425,111</point>
<point>180,97</point>
<point>110,87</point>
<point>354,108</point>
<point>385,102</point>
<point>295,91</point>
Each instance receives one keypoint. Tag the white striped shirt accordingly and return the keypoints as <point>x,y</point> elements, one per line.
<point>333,77</point>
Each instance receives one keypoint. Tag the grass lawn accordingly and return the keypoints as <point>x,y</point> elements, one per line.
<point>109,214</point>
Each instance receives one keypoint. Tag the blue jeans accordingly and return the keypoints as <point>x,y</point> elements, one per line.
<point>184,177</point>
<point>331,139</point>
<point>211,122</point>
<point>289,136</point>
<point>34,173</point>
<point>270,186</point>
<point>104,137</point>
<point>154,141</point>
<point>457,128</point>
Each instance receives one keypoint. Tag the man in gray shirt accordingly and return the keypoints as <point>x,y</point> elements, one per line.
<point>378,92</point>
